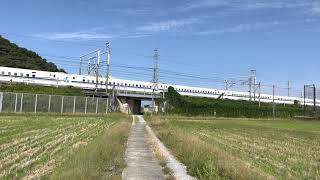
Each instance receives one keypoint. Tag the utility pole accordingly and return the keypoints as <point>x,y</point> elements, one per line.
<point>80,68</point>
<point>288,88</point>
<point>250,87</point>
<point>254,78</point>
<point>273,103</point>
<point>107,74</point>
<point>304,98</point>
<point>259,86</point>
<point>314,98</point>
<point>155,77</point>
<point>97,69</point>
<point>227,84</point>
<point>108,66</point>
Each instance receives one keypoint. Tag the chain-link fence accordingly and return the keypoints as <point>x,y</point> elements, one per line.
<point>25,102</point>
<point>311,100</point>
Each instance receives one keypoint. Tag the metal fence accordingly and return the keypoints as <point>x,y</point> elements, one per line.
<point>311,100</point>
<point>25,102</point>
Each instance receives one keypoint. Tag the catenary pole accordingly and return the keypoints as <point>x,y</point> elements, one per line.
<point>273,102</point>
<point>155,77</point>
<point>107,75</point>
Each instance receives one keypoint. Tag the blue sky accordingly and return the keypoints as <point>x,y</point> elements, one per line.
<point>214,39</point>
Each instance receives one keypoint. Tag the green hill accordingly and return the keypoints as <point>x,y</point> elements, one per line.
<point>11,55</point>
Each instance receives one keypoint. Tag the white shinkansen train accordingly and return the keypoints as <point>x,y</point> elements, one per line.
<point>28,76</point>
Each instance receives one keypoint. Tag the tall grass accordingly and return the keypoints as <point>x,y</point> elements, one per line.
<point>242,148</point>
<point>101,159</point>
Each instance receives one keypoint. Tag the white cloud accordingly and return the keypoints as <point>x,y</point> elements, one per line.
<point>129,11</point>
<point>170,25</point>
<point>87,36</point>
<point>315,9</point>
<point>240,28</point>
<point>80,35</point>
<point>246,4</point>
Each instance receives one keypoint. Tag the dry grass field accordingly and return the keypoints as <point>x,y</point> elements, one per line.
<point>60,147</point>
<point>224,148</point>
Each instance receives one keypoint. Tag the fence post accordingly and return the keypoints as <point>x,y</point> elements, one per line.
<point>21,102</point>
<point>62,104</point>
<point>97,104</point>
<point>49,105</point>
<point>85,106</point>
<point>16,103</point>
<point>74,104</point>
<point>1,100</point>
<point>36,104</point>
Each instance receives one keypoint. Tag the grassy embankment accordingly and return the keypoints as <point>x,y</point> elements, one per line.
<point>226,148</point>
<point>37,89</point>
<point>62,147</point>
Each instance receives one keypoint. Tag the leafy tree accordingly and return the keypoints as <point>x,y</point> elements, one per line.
<point>14,56</point>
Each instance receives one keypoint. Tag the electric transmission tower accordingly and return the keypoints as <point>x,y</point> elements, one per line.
<point>155,78</point>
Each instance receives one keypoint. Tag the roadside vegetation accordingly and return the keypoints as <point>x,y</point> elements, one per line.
<point>227,148</point>
<point>62,147</point>
<point>195,106</point>
<point>37,89</point>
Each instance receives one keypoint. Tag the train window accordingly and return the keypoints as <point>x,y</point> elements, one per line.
<point>101,82</point>
<point>114,83</point>
<point>21,74</point>
<point>88,81</point>
<point>2,72</point>
<point>27,75</point>
<point>73,78</point>
<point>136,85</point>
<point>109,83</point>
<point>9,73</point>
<point>83,80</point>
<point>121,84</point>
<point>125,84</point>
<point>54,75</point>
<point>33,75</point>
<point>92,81</point>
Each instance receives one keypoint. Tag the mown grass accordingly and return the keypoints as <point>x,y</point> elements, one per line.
<point>61,147</point>
<point>225,148</point>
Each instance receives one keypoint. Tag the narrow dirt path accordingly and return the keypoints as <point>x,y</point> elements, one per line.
<point>141,162</point>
